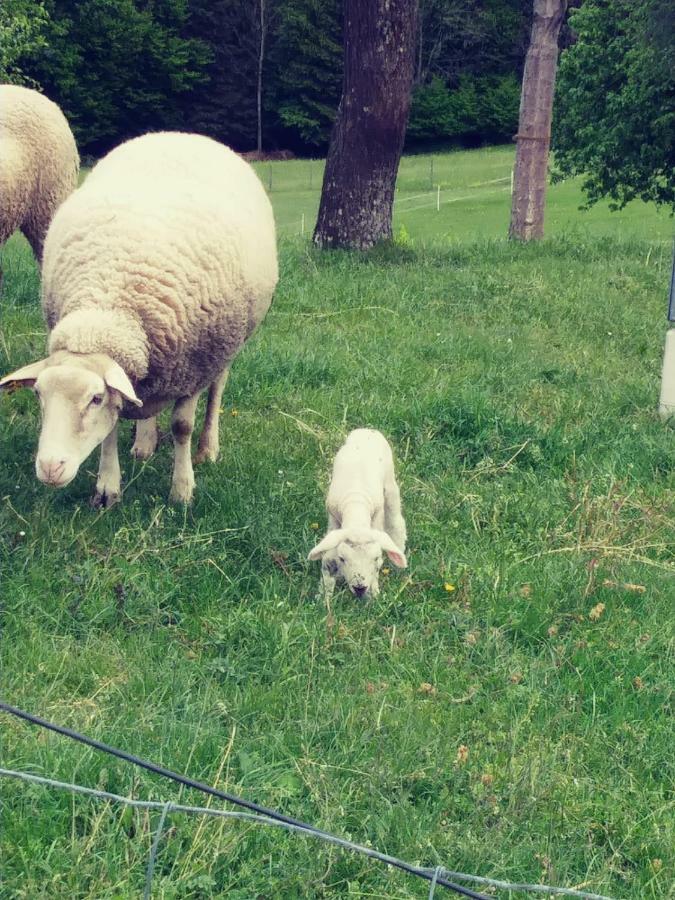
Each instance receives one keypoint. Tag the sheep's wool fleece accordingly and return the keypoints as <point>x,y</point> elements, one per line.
<point>39,163</point>
<point>165,259</point>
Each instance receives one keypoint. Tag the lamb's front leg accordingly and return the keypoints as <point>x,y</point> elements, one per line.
<point>109,481</point>
<point>182,425</point>
<point>328,569</point>
<point>393,517</point>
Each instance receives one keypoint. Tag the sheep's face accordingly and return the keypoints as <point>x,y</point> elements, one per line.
<point>358,565</point>
<point>78,412</point>
<point>81,396</point>
<point>354,555</point>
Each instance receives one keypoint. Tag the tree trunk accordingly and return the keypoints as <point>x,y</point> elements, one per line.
<point>367,139</point>
<point>261,60</point>
<point>534,125</point>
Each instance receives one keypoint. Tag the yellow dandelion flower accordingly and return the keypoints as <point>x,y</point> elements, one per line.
<point>315,526</point>
<point>449,587</point>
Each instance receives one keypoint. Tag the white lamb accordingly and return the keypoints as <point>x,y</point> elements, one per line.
<point>364,516</point>
<point>155,273</point>
<point>39,163</point>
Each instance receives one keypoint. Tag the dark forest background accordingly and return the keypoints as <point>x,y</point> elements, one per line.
<point>119,68</point>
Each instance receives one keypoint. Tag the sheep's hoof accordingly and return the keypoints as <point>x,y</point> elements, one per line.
<point>142,451</point>
<point>105,499</point>
<point>182,491</point>
<point>206,454</point>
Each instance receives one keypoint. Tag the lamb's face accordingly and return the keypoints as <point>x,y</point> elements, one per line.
<point>358,564</point>
<point>78,412</point>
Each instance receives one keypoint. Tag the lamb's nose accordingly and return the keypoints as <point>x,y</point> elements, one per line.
<point>51,470</point>
<point>360,589</point>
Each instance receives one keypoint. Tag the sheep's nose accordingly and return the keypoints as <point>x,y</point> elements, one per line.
<point>360,590</point>
<point>51,470</point>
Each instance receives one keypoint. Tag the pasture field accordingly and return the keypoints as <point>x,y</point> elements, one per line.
<point>501,708</point>
<point>475,200</point>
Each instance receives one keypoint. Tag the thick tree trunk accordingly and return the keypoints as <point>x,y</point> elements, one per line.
<point>367,139</point>
<point>534,126</point>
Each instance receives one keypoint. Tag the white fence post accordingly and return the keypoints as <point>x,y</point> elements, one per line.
<point>438,199</point>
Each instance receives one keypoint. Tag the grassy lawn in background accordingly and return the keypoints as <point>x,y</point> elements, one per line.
<point>475,200</point>
<point>502,708</point>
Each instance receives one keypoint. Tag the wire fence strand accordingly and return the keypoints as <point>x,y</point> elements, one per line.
<point>167,808</point>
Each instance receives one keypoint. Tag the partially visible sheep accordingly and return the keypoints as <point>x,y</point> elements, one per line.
<point>155,273</point>
<point>39,163</point>
<point>364,516</point>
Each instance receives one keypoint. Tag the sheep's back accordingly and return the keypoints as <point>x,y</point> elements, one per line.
<point>176,230</point>
<point>39,162</point>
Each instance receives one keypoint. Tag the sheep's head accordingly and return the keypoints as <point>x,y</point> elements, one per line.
<point>80,397</point>
<point>355,557</point>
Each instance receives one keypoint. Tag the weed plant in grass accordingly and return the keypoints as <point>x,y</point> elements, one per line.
<point>501,708</point>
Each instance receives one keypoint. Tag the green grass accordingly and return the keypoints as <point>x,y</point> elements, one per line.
<point>511,727</point>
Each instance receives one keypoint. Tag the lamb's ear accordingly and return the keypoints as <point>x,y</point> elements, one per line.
<point>395,554</point>
<point>332,539</point>
<point>25,377</point>
<point>116,378</point>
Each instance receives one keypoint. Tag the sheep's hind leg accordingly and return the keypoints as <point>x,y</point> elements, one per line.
<point>145,438</point>
<point>182,425</point>
<point>209,443</point>
<point>109,481</point>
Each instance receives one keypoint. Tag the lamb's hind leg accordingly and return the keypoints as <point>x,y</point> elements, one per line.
<point>145,438</point>
<point>209,443</point>
<point>182,425</point>
<point>394,522</point>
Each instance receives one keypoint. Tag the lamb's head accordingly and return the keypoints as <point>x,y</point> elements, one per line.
<point>80,396</point>
<point>354,555</point>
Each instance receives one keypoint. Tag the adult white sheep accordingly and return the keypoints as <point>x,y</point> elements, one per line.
<point>364,516</point>
<point>155,272</point>
<point>38,163</point>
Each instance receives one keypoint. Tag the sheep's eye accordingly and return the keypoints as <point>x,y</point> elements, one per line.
<point>341,558</point>
<point>96,400</point>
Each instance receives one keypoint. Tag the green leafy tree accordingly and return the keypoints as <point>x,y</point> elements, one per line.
<point>307,61</point>
<point>22,31</point>
<point>614,117</point>
<point>118,69</point>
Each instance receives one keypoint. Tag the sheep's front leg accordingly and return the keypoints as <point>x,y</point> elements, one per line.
<point>209,442</point>
<point>393,517</point>
<point>145,438</point>
<point>182,424</point>
<point>109,481</point>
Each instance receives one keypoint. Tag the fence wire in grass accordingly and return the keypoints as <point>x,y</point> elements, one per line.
<point>435,876</point>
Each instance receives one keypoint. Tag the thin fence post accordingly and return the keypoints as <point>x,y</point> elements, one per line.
<point>512,182</point>
<point>147,893</point>
<point>302,224</point>
<point>431,171</point>
<point>438,199</point>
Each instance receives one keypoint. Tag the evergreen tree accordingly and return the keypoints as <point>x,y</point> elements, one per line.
<point>118,69</point>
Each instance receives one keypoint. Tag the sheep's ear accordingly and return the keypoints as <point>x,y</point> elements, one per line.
<point>25,377</point>
<point>395,554</point>
<point>116,378</point>
<point>332,539</point>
